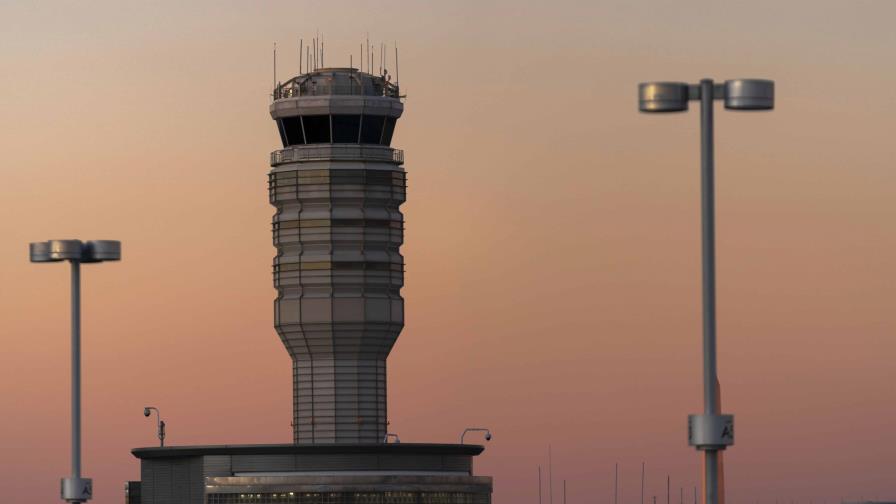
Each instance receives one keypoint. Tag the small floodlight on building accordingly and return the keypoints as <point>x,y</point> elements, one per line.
<point>488,433</point>
<point>712,431</point>
<point>75,488</point>
<point>160,424</point>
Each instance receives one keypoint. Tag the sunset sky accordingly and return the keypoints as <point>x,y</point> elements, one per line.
<point>552,237</point>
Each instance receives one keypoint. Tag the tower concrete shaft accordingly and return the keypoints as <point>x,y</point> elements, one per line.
<point>337,186</point>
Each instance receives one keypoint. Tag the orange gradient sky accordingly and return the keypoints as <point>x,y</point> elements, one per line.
<point>552,286</point>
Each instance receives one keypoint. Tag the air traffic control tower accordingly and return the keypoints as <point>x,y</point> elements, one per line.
<point>337,186</point>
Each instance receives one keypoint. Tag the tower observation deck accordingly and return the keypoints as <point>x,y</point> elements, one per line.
<point>337,186</point>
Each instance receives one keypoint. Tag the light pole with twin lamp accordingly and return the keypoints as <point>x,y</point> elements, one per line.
<point>76,489</point>
<point>712,431</point>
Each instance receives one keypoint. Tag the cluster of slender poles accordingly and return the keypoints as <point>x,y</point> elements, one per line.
<point>311,57</point>
<point>615,485</point>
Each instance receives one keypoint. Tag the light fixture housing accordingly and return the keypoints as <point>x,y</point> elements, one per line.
<point>749,94</point>
<point>663,96</point>
<point>75,250</point>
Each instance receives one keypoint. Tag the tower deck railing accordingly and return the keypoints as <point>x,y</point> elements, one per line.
<point>341,152</point>
<point>293,89</point>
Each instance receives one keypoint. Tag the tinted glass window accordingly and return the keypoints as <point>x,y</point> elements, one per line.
<point>292,128</point>
<point>282,132</point>
<point>345,128</point>
<point>388,130</point>
<point>317,128</point>
<point>371,129</point>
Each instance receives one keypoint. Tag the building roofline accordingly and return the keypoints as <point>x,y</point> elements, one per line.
<point>315,449</point>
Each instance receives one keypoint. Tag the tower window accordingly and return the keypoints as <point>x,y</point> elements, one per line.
<point>372,129</point>
<point>282,133</point>
<point>388,129</point>
<point>317,128</point>
<point>345,128</point>
<point>292,129</point>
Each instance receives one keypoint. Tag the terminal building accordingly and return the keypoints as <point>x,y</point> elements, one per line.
<point>337,186</point>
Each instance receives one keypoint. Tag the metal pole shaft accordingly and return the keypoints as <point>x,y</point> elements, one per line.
<point>616,485</point>
<point>709,279</point>
<point>550,477</point>
<point>76,369</point>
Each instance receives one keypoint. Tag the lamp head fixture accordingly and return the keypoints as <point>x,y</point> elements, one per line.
<point>738,94</point>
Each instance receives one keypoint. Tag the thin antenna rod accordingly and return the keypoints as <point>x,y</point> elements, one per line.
<point>539,484</point>
<point>396,62</point>
<point>368,52</point>
<point>668,489</point>
<point>642,482</point>
<point>322,52</point>
<point>300,55</point>
<point>550,477</point>
<point>616,485</point>
<point>275,71</point>
<point>564,491</point>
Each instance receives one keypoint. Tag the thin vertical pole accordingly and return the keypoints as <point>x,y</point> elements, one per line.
<point>564,491</point>
<point>642,482</point>
<point>539,484</point>
<point>668,489</point>
<point>616,485</point>
<point>396,63</point>
<point>300,54</point>
<point>707,169</point>
<point>550,477</point>
<point>275,70</point>
<point>76,369</point>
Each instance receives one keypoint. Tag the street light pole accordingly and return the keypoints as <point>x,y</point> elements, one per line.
<point>707,192</point>
<point>712,431</point>
<point>160,424</point>
<point>76,489</point>
<point>76,368</point>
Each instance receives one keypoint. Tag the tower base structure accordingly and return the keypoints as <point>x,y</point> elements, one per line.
<point>405,473</point>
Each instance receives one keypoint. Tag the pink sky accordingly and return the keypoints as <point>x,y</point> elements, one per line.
<point>552,286</point>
